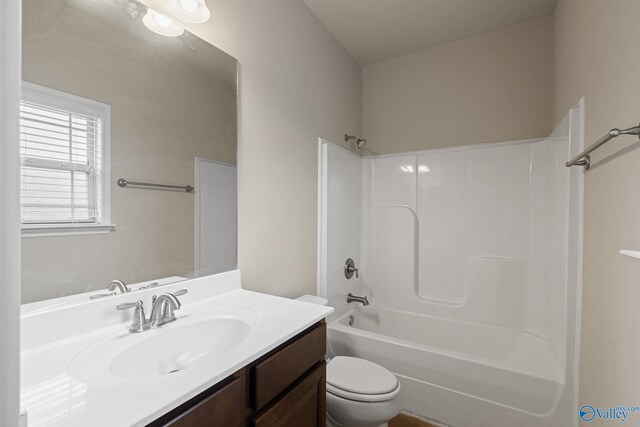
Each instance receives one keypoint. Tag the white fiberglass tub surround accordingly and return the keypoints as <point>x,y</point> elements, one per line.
<point>468,358</point>
<point>470,258</point>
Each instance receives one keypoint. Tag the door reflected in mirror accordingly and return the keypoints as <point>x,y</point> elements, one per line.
<point>106,99</point>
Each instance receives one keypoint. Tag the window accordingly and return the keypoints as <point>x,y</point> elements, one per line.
<point>64,155</point>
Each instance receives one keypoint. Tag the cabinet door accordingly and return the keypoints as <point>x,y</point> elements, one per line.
<point>304,405</point>
<point>271,377</point>
<point>224,408</point>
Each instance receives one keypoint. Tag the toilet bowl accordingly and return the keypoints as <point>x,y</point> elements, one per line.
<point>360,393</point>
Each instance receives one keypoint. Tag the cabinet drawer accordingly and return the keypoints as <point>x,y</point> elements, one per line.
<point>304,405</point>
<point>273,375</point>
<point>224,408</point>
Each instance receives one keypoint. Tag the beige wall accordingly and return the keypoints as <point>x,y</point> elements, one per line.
<point>493,87</point>
<point>596,55</point>
<point>296,83</point>
<point>164,111</point>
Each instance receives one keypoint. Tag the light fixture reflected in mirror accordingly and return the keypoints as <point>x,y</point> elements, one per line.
<point>411,169</point>
<point>195,11</point>
<point>161,24</point>
<point>407,168</point>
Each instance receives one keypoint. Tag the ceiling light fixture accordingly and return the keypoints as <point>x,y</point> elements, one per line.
<point>194,11</point>
<point>160,24</point>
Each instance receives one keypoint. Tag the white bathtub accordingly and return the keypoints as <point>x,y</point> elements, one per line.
<point>510,375</point>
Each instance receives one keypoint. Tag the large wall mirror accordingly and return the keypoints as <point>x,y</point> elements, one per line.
<point>105,102</point>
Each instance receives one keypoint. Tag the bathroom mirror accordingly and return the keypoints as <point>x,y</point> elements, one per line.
<point>106,100</point>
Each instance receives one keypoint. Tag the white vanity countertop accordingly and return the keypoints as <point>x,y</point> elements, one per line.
<point>53,395</point>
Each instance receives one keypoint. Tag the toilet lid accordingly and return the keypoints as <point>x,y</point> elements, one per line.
<point>360,376</point>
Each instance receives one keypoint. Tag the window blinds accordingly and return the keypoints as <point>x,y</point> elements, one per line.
<point>61,161</point>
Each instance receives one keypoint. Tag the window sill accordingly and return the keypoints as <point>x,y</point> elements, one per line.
<point>65,230</point>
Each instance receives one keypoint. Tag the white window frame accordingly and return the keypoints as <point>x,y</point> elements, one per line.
<point>47,96</point>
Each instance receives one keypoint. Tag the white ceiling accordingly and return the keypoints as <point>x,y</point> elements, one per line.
<point>373,30</point>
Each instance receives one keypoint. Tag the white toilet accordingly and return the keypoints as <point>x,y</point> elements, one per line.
<point>360,393</point>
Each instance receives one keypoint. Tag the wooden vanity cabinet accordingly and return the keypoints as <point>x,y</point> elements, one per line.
<point>284,388</point>
<point>304,405</point>
<point>223,407</point>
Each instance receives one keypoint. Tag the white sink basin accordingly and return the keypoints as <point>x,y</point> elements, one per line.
<point>170,349</point>
<point>178,348</point>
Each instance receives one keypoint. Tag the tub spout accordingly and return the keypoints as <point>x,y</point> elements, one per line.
<point>354,298</point>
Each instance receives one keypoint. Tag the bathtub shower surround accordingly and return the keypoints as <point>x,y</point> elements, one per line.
<point>470,258</point>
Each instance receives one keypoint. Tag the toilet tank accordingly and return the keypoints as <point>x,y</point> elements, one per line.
<point>313,299</point>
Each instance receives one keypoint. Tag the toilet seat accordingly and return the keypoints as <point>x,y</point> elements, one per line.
<point>371,398</point>
<point>360,380</point>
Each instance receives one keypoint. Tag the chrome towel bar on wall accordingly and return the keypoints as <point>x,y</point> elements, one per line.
<point>583,159</point>
<point>123,183</point>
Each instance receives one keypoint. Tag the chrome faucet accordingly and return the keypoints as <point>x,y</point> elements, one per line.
<point>113,285</point>
<point>354,298</point>
<point>164,306</point>
<point>118,284</point>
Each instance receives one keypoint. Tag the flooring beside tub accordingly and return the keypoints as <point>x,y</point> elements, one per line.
<point>405,420</point>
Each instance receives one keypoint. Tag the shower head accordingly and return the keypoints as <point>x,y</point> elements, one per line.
<point>360,142</point>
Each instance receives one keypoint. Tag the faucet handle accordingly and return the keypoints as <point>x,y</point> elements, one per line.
<point>175,294</point>
<point>139,322</point>
<point>150,285</point>
<point>96,296</point>
<point>350,268</point>
<point>128,305</point>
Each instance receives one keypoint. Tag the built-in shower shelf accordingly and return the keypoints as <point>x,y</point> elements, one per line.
<point>629,253</point>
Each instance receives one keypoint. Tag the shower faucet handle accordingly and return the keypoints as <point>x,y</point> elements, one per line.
<point>350,269</point>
